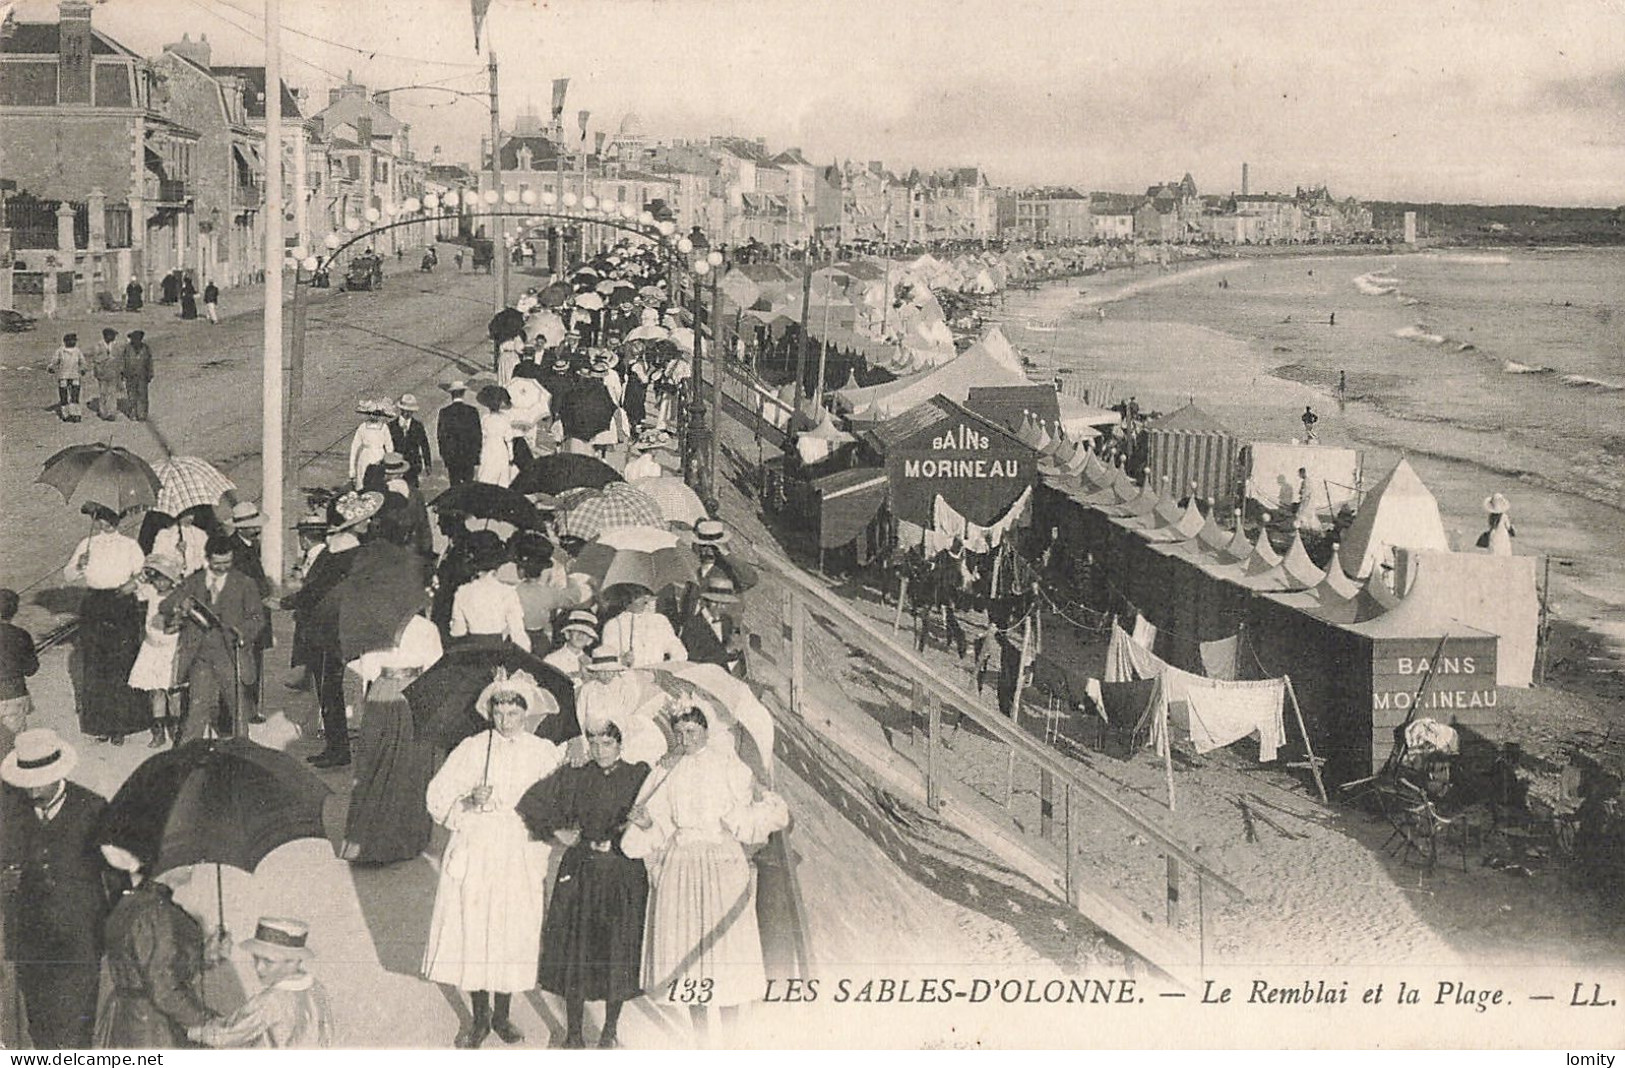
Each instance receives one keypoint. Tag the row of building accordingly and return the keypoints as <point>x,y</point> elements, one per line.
<point>121,167</point>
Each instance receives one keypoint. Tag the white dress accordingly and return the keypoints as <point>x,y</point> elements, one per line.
<point>496,449</point>
<point>487,605</point>
<point>369,446</point>
<point>154,667</point>
<point>186,543</point>
<point>702,905</point>
<point>486,930</point>
<point>647,636</point>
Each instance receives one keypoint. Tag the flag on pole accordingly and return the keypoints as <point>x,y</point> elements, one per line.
<point>559,86</point>
<point>582,117</point>
<point>479,8</point>
<point>599,140</point>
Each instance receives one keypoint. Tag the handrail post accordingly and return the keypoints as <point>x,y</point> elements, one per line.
<point>1070,866</point>
<point>933,727</point>
<point>798,639</point>
<point>1173,891</point>
<point>1046,804</point>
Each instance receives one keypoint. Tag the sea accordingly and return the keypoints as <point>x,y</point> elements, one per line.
<point>1491,370</point>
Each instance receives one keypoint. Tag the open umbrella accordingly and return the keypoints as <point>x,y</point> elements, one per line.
<point>505,324</point>
<point>484,500</point>
<point>586,409</point>
<point>561,471</point>
<point>213,802</point>
<point>677,502</point>
<point>606,287</point>
<point>384,588</point>
<point>622,297</point>
<point>554,295</point>
<point>616,505</point>
<point>642,556</point>
<point>442,698</point>
<point>110,475</point>
<point>189,481</point>
<point>648,332</point>
<point>727,701</point>
<point>590,301</point>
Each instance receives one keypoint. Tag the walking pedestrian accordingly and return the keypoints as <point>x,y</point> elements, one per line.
<point>457,432</point>
<point>1309,419</point>
<point>188,298</point>
<point>592,935</point>
<point>18,661</point>
<point>291,1009</point>
<point>51,889</point>
<point>486,604</point>
<point>370,443</point>
<point>155,964</point>
<point>185,540</point>
<point>221,615</point>
<point>496,463</point>
<point>711,635</point>
<point>107,362</point>
<point>488,906</point>
<point>211,302</point>
<point>134,296</point>
<point>693,827</point>
<point>1498,537</point>
<point>68,365</point>
<point>137,374</point>
<point>640,636</point>
<point>110,625</point>
<point>410,438</point>
<point>154,669</point>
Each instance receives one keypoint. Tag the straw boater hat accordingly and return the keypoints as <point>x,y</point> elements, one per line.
<point>168,565</point>
<point>278,939</point>
<point>606,662</point>
<point>408,402</point>
<point>312,523</point>
<point>719,588</point>
<point>562,363</point>
<point>354,508</point>
<point>40,758</point>
<point>711,532</point>
<point>395,464</point>
<point>1495,504</point>
<point>582,621</point>
<point>246,514</point>
<point>120,859</point>
<point>538,702</point>
<point>456,386</point>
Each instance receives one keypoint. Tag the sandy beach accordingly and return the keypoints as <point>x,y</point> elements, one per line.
<point>1256,351</point>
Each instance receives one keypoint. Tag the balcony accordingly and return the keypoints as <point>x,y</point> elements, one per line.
<point>161,192</point>
<point>249,195</point>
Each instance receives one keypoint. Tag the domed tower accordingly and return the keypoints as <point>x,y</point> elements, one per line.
<point>629,140</point>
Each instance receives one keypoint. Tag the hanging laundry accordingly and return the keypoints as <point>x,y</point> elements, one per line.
<point>1221,659</point>
<point>978,539</point>
<point>1145,632</point>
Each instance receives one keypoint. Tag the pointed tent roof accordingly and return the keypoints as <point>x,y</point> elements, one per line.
<point>953,379</point>
<point>1190,419</point>
<point>994,345</point>
<point>1184,529</point>
<point>1213,535</point>
<point>1295,571</point>
<point>1399,512</point>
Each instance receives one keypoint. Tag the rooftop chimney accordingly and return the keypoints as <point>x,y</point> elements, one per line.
<point>1244,179</point>
<point>197,51</point>
<point>74,52</point>
<point>363,130</point>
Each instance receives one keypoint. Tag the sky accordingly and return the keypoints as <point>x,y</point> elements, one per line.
<point>1471,100</point>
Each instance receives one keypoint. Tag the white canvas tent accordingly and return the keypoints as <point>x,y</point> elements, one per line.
<point>1399,513</point>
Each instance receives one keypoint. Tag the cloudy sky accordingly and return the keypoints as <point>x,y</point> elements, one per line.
<point>1406,99</point>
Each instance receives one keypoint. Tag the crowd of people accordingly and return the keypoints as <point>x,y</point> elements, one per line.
<point>582,739</point>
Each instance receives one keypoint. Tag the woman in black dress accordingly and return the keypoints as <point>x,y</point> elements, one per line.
<point>188,298</point>
<point>592,938</point>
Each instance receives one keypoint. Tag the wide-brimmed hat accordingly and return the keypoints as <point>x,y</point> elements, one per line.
<point>582,620</point>
<point>278,939</point>
<point>562,363</point>
<point>719,588</point>
<point>408,402</point>
<point>355,508</point>
<point>395,464</point>
<point>168,565</point>
<point>246,514</point>
<point>653,439</point>
<point>367,406</point>
<point>608,662</point>
<point>1497,504</point>
<point>385,406</point>
<point>312,523</point>
<point>711,532</point>
<point>538,702</point>
<point>40,757</point>
<point>120,859</point>
<point>456,385</point>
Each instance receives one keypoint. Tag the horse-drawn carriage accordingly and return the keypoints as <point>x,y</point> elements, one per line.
<point>483,256</point>
<point>366,271</point>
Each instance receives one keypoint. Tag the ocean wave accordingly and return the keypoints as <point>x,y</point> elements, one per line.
<point>1513,367</point>
<point>1376,284</point>
<point>1599,385</point>
<point>1419,333</point>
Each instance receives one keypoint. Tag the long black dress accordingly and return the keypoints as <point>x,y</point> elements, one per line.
<point>592,938</point>
<point>110,628</point>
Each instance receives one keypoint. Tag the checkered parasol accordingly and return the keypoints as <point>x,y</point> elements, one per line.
<point>587,515</point>
<point>188,482</point>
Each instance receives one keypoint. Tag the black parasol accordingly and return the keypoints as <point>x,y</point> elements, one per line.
<point>587,410</point>
<point>443,697</point>
<point>562,471</point>
<point>484,500</point>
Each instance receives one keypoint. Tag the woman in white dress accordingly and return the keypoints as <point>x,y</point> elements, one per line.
<point>371,443</point>
<point>640,636</point>
<point>154,667</point>
<point>485,935</point>
<point>485,604</point>
<point>698,815</point>
<point>496,437</point>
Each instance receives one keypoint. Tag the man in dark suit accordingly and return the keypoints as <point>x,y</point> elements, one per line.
<point>411,439</point>
<point>222,617</point>
<point>457,430</point>
<point>710,635</point>
<point>52,892</point>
